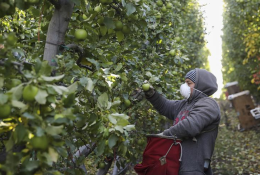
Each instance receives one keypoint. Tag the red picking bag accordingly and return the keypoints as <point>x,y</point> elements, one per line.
<point>161,156</point>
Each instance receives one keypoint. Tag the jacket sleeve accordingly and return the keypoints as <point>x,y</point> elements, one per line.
<point>168,108</point>
<point>203,114</point>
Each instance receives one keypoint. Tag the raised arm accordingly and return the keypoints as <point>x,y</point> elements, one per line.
<point>168,108</point>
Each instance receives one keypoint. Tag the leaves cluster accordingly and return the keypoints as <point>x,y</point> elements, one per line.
<point>241,44</point>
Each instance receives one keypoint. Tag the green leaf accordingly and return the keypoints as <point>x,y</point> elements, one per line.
<point>41,96</point>
<point>103,30</point>
<point>73,88</point>
<point>53,154</point>
<point>83,81</point>
<point>112,119</point>
<point>1,82</point>
<point>118,67</point>
<point>120,36</point>
<point>103,101</point>
<point>28,115</point>
<point>122,122</point>
<point>120,116</point>
<point>109,23</point>
<point>20,133</point>
<point>59,89</point>
<point>119,128</point>
<point>130,9</point>
<point>112,140</point>
<point>52,79</point>
<point>9,144</point>
<point>17,92</point>
<point>129,127</point>
<point>54,130</point>
<point>3,99</point>
<point>69,100</point>
<point>90,85</point>
<point>122,149</point>
<point>100,147</point>
<point>31,165</point>
<point>18,104</point>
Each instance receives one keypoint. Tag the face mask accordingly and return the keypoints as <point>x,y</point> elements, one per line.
<point>185,90</point>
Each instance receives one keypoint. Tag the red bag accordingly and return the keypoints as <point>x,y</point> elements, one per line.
<point>161,156</point>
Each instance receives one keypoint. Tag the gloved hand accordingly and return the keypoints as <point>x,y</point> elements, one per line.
<point>148,89</point>
<point>160,134</point>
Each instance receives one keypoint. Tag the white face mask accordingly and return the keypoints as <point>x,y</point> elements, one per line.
<point>185,90</point>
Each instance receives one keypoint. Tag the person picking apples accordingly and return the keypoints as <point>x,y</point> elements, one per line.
<point>196,119</point>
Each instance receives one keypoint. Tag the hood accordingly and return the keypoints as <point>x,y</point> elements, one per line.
<point>206,82</point>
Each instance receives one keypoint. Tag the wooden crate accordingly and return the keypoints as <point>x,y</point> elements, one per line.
<point>243,103</point>
<point>232,88</point>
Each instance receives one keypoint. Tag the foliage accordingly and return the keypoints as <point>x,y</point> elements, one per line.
<point>240,44</point>
<point>127,43</point>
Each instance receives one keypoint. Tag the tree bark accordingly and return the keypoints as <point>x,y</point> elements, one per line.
<point>57,30</point>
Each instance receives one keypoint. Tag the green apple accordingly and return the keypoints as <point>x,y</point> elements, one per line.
<point>164,9</point>
<point>126,30</point>
<point>97,9</point>
<point>40,142</point>
<point>172,52</point>
<point>80,34</point>
<point>146,87</point>
<point>127,102</point>
<point>5,111</point>
<point>169,5</point>
<point>119,25</point>
<point>29,93</point>
<point>159,3</point>
<point>84,17</point>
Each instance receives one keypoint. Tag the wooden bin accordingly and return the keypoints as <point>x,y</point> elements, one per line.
<point>232,88</point>
<point>243,103</point>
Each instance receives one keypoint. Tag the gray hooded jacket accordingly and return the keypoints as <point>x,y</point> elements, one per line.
<point>198,117</point>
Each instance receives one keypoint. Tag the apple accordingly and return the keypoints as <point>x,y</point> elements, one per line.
<point>158,16</point>
<point>101,165</point>
<point>126,30</point>
<point>127,102</point>
<point>29,92</point>
<point>80,34</point>
<point>97,9</point>
<point>169,5</point>
<point>40,142</point>
<point>84,17</point>
<point>172,52</point>
<point>5,111</point>
<point>159,3</point>
<point>119,25</point>
<point>164,9</point>
<point>146,87</point>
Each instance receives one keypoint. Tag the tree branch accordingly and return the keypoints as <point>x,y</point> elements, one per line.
<point>80,52</point>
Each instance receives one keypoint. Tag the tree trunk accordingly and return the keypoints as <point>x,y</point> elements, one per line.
<point>57,30</point>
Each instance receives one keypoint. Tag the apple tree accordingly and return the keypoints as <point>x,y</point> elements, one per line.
<point>241,45</point>
<point>71,76</point>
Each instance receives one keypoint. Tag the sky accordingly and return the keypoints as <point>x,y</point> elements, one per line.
<point>212,10</point>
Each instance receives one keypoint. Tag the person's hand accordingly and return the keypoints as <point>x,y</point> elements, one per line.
<point>160,134</point>
<point>148,89</point>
